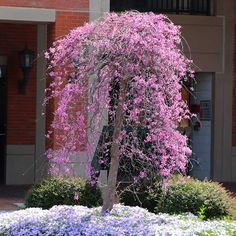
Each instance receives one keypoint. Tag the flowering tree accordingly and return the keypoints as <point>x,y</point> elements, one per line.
<point>126,70</point>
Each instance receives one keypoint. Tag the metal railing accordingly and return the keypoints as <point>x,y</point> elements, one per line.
<point>190,7</point>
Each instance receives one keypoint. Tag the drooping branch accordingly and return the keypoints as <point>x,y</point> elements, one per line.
<point>144,47</point>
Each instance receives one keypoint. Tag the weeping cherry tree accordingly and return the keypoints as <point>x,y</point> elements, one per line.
<point>126,69</point>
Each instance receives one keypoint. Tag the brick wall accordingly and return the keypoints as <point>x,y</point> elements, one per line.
<point>20,108</point>
<point>65,21</point>
<point>53,4</point>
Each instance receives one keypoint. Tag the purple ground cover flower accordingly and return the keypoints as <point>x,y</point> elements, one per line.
<point>122,221</point>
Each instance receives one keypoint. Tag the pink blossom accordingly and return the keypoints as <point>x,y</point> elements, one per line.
<point>142,174</point>
<point>141,49</point>
<point>76,196</point>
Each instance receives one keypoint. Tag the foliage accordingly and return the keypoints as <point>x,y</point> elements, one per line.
<point>131,67</point>
<point>203,198</point>
<point>180,194</point>
<point>141,49</point>
<point>63,191</point>
<point>145,192</point>
<point>122,221</point>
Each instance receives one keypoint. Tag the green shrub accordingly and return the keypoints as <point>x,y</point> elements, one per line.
<point>203,198</point>
<point>144,193</point>
<point>181,194</point>
<point>63,191</point>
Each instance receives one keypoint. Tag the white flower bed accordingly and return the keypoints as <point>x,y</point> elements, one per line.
<point>123,220</point>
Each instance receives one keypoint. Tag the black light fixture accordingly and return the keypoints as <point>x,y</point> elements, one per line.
<point>26,57</point>
<point>2,72</point>
<point>3,63</point>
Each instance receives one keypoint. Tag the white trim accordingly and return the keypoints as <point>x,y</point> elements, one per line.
<point>224,153</point>
<point>27,14</point>
<point>97,8</point>
<point>223,43</point>
<point>19,164</point>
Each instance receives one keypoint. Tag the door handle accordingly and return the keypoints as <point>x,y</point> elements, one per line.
<point>2,134</point>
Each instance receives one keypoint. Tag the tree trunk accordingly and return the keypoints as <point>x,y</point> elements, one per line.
<point>115,150</point>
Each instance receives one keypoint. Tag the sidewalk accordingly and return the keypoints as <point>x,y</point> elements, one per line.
<point>10,196</point>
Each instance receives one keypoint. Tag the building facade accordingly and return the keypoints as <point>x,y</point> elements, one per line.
<point>208,29</point>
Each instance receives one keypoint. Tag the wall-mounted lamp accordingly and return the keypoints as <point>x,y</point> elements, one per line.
<point>26,57</point>
<point>2,72</point>
<point>3,64</point>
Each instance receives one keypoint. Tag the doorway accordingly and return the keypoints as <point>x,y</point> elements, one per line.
<point>3,112</point>
<point>202,126</point>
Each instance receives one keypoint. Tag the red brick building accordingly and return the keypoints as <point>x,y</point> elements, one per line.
<point>35,24</point>
<point>209,27</point>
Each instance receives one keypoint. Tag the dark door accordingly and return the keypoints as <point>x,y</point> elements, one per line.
<point>2,125</point>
